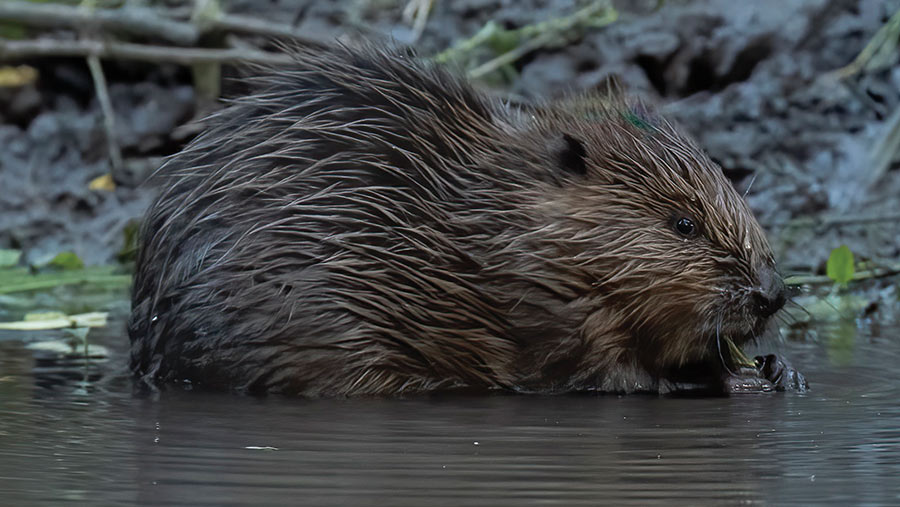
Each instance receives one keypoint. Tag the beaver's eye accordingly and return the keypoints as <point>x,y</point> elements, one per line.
<point>686,227</point>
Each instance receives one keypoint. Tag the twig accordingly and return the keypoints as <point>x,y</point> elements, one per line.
<point>877,52</point>
<point>146,22</point>
<point>207,76</point>
<point>10,50</point>
<point>835,220</point>
<point>109,122</point>
<point>885,149</point>
<point>254,26</point>
<point>416,13</point>
<point>109,117</point>
<point>859,275</point>
<point>140,21</point>
<point>511,56</point>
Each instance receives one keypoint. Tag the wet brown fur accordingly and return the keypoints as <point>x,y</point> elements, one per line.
<point>366,223</point>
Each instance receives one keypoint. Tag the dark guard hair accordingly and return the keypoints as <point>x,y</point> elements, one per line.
<point>369,224</point>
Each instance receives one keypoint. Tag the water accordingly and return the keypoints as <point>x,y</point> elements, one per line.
<point>838,444</point>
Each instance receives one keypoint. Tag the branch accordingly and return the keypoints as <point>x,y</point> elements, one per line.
<point>142,21</point>
<point>254,26</point>
<point>12,50</point>
<point>134,20</point>
<point>109,122</point>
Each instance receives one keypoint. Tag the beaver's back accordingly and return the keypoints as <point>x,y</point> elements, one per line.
<point>345,230</point>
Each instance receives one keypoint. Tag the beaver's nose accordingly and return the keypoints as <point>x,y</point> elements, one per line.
<point>769,297</point>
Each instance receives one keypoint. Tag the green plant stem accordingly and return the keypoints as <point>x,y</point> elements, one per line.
<point>882,272</point>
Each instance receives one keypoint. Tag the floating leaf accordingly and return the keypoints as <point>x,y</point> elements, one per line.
<point>70,348</point>
<point>9,257</point>
<point>66,261</point>
<point>43,316</point>
<point>840,265</point>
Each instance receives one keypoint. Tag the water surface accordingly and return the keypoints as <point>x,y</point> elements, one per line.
<point>839,443</point>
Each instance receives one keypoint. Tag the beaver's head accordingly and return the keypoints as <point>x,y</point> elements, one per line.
<point>677,262</point>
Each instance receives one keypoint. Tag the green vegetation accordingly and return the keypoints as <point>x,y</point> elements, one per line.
<point>503,46</point>
<point>64,283</point>
<point>840,265</point>
<point>62,294</point>
<point>14,279</point>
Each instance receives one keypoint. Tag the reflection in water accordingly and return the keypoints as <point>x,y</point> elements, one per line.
<point>839,443</point>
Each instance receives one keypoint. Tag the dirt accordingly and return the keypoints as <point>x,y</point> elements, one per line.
<point>752,81</point>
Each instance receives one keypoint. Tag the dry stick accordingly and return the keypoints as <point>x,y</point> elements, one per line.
<point>416,13</point>
<point>253,26</point>
<point>827,221</point>
<point>17,50</point>
<point>146,22</point>
<point>109,123</point>
<point>109,119</point>
<point>885,149</point>
<point>139,21</point>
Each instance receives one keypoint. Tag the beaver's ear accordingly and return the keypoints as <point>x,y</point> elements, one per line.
<point>569,153</point>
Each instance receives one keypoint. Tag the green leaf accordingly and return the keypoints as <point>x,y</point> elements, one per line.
<point>66,261</point>
<point>9,258</point>
<point>21,280</point>
<point>502,41</point>
<point>840,265</point>
<point>129,246</point>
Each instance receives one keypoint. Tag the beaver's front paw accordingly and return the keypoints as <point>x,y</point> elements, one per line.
<point>747,380</point>
<point>771,373</point>
<point>780,373</point>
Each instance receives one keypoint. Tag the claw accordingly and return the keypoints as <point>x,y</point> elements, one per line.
<point>784,376</point>
<point>767,374</point>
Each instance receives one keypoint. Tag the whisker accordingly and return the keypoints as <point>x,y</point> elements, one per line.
<point>782,320</point>
<point>798,305</point>
<point>753,179</point>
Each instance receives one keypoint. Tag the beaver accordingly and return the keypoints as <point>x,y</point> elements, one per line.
<point>367,223</point>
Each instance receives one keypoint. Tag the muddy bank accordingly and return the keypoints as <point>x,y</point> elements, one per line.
<point>751,81</point>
